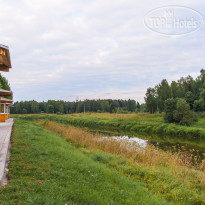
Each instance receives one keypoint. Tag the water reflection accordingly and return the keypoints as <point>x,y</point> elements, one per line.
<point>131,140</point>
<point>166,146</point>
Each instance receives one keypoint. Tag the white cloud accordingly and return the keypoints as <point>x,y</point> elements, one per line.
<point>93,47</point>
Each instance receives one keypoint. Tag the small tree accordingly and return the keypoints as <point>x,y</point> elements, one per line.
<point>170,107</point>
<point>151,100</point>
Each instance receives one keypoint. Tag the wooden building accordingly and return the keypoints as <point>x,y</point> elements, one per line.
<point>5,65</point>
<point>5,105</point>
<point>5,61</point>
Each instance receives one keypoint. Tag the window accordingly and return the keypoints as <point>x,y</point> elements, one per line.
<point>1,108</point>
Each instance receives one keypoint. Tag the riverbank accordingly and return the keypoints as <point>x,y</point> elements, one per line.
<point>45,169</point>
<point>168,175</point>
<point>146,125</point>
<point>134,123</point>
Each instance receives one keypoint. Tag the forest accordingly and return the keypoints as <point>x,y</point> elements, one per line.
<point>63,107</point>
<point>189,89</point>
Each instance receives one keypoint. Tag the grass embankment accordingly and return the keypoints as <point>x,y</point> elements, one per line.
<point>44,169</point>
<point>171,176</point>
<point>133,123</point>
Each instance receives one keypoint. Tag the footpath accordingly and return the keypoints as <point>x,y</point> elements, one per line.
<point>5,135</point>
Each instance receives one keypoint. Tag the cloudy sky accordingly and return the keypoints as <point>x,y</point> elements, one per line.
<point>61,49</point>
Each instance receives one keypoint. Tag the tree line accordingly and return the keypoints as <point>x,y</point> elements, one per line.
<point>64,107</point>
<point>179,100</point>
<point>189,89</point>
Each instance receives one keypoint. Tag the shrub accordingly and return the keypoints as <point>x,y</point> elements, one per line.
<point>59,113</point>
<point>183,115</point>
<point>178,110</point>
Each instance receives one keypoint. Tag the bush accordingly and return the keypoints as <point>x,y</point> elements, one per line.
<point>183,115</point>
<point>59,113</point>
<point>178,111</point>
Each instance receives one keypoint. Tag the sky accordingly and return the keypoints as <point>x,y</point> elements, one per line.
<point>94,49</point>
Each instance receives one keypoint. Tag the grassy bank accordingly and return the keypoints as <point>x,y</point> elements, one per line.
<point>45,169</point>
<point>133,123</point>
<point>171,176</point>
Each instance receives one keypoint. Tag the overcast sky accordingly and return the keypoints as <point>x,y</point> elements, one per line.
<point>61,49</point>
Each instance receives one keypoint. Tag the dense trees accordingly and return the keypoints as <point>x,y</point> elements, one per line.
<point>189,89</point>
<point>151,100</point>
<point>52,106</point>
<point>163,91</point>
<point>170,107</point>
<point>4,83</point>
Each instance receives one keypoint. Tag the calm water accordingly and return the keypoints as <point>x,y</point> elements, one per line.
<point>174,147</point>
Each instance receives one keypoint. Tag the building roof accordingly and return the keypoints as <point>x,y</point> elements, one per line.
<point>5,61</point>
<point>5,100</point>
<point>5,92</point>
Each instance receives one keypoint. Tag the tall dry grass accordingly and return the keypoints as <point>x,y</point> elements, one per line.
<point>181,163</point>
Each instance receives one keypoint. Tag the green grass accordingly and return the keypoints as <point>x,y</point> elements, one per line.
<point>163,176</point>
<point>160,182</point>
<point>44,169</point>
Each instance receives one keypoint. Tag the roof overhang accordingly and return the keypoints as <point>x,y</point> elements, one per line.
<point>5,100</point>
<point>4,68</point>
<point>5,92</point>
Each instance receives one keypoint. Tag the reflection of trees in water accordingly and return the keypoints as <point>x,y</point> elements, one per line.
<point>175,147</point>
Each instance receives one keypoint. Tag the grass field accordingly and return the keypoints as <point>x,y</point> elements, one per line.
<point>53,163</point>
<point>45,169</point>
